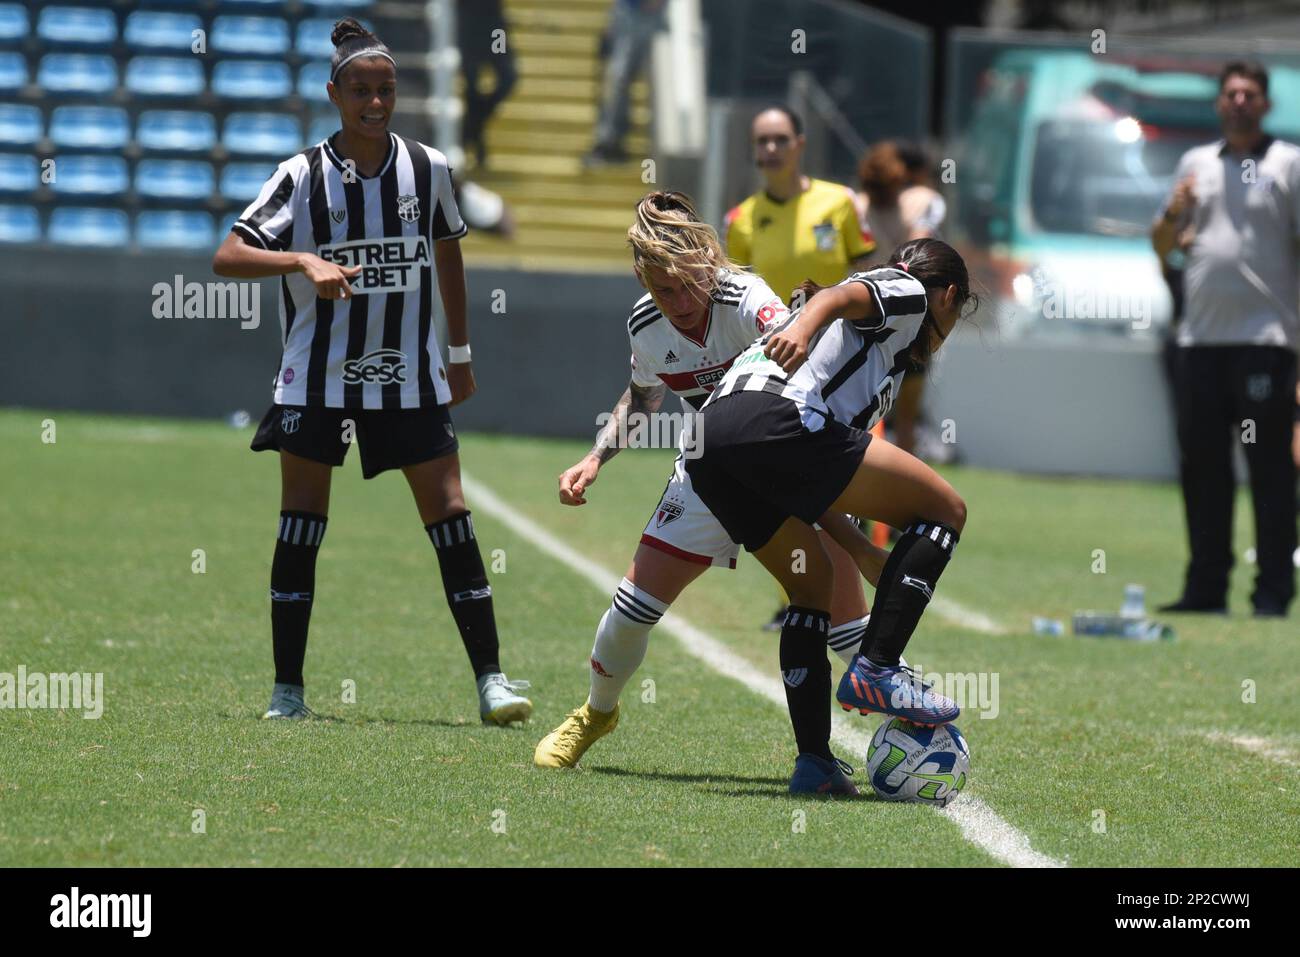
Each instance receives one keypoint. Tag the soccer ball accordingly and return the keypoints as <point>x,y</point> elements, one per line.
<point>907,762</point>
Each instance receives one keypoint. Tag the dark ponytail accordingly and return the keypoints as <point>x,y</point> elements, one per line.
<point>351,38</point>
<point>935,265</point>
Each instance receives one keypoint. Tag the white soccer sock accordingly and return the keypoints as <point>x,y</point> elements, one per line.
<point>845,639</point>
<point>621,641</point>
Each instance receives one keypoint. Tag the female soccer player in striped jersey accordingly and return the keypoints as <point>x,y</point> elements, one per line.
<point>699,314</point>
<point>784,446</point>
<point>355,227</point>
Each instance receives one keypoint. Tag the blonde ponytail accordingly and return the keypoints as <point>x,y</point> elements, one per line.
<point>667,233</point>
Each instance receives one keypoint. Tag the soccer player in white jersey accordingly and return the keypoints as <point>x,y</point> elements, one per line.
<point>699,314</point>
<point>355,227</point>
<point>784,446</point>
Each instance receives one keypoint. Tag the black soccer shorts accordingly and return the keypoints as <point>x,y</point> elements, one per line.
<point>389,438</point>
<point>759,465</point>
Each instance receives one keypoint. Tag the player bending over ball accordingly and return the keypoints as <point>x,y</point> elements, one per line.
<point>699,314</point>
<point>784,446</point>
<point>360,354</point>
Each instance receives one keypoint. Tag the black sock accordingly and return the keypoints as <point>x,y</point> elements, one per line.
<point>906,587</point>
<point>468,593</point>
<point>293,584</point>
<point>806,675</point>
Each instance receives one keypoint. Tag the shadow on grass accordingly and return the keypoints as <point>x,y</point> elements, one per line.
<point>770,787</point>
<point>465,724</point>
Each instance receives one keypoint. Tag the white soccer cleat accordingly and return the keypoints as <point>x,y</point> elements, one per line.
<point>497,701</point>
<point>287,703</point>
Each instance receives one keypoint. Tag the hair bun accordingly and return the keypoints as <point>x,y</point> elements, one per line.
<point>347,29</point>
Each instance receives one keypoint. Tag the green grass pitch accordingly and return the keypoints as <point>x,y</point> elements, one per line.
<point>96,575</point>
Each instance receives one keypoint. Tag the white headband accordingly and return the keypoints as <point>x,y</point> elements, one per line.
<point>373,51</point>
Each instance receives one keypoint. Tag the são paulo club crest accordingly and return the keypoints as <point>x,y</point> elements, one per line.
<point>408,208</point>
<point>668,512</point>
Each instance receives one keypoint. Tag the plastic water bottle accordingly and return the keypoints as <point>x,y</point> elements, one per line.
<point>1049,626</point>
<point>238,419</point>
<point>1135,602</point>
<point>1100,624</point>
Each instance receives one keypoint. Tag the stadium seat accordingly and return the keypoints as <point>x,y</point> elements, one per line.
<point>174,229</point>
<point>313,39</point>
<point>250,36</point>
<point>181,131</point>
<point>164,76</point>
<point>251,80</point>
<point>13,72</point>
<point>340,6</point>
<point>14,25</point>
<point>86,74</point>
<point>90,176</point>
<point>90,127</point>
<point>77,26</point>
<point>86,226</point>
<point>311,82</point>
<point>19,224</point>
<point>227,223</point>
<point>322,128</point>
<point>19,173</point>
<point>176,180</point>
<point>262,134</point>
<point>241,182</point>
<point>20,125</point>
<point>161,30</point>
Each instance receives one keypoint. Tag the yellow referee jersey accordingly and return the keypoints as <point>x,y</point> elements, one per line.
<point>814,235</point>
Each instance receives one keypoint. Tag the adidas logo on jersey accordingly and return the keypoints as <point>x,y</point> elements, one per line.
<point>671,357</point>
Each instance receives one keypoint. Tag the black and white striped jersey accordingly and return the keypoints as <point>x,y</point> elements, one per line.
<point>378,349</point>
<point>854,369</point>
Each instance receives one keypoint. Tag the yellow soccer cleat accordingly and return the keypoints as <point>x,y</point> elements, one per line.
<point>566,745</point>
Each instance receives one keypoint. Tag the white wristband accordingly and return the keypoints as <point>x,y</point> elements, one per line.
<point>458,354</point>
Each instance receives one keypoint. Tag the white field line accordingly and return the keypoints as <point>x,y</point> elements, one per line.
<point>979,823</point>
<point>1256,745</point>
<point>969,618</point>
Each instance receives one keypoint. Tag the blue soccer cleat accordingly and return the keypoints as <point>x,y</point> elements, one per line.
<point>897,691</point>
<point>822,778</point>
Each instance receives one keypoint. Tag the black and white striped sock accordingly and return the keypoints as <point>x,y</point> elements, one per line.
<point>293,585</point>
<point>468,593</point>
<point>845,639</point>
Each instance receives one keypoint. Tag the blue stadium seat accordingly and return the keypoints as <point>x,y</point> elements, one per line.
<point>14,25</point>
<point>249,6</point>
<point>20,224</point>
<point>174,229</point>
<point>241,182</point>
<point>178,180</point>
<point>170,76</point>
<point>87,74</point>
<point>85,226</point>
<point>13,72</point>
<point>77,26</point>
<point>341,6</point>
<point>227,223</point>
<point>251,80</point>
<point>19,173</point>
<point>262,134</point>
<point>90,127</point>
<point>250,36</point>
<point>322,128</point>
<point>181,131</point>
<point>311,82</point>
<point>90,176</point>
<point>314,38</point>
<point>20,125</point>
<point>161,30</point>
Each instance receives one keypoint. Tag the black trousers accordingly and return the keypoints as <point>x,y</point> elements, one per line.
<point>476,21</point>
<point>1227,395</point>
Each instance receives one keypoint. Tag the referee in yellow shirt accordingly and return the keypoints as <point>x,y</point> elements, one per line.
<point>798,228</point>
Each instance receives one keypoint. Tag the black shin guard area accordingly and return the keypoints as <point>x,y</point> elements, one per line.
<point>293,585</point>
<point>468,593</point>
<point>906,586</point>
<point>806,674</point>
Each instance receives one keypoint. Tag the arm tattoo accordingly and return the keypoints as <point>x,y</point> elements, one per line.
<point>642,399</point>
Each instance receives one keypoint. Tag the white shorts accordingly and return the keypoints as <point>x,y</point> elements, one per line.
<point>683,526</point>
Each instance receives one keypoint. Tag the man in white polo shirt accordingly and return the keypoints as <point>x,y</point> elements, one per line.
<point>1235,209</point>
